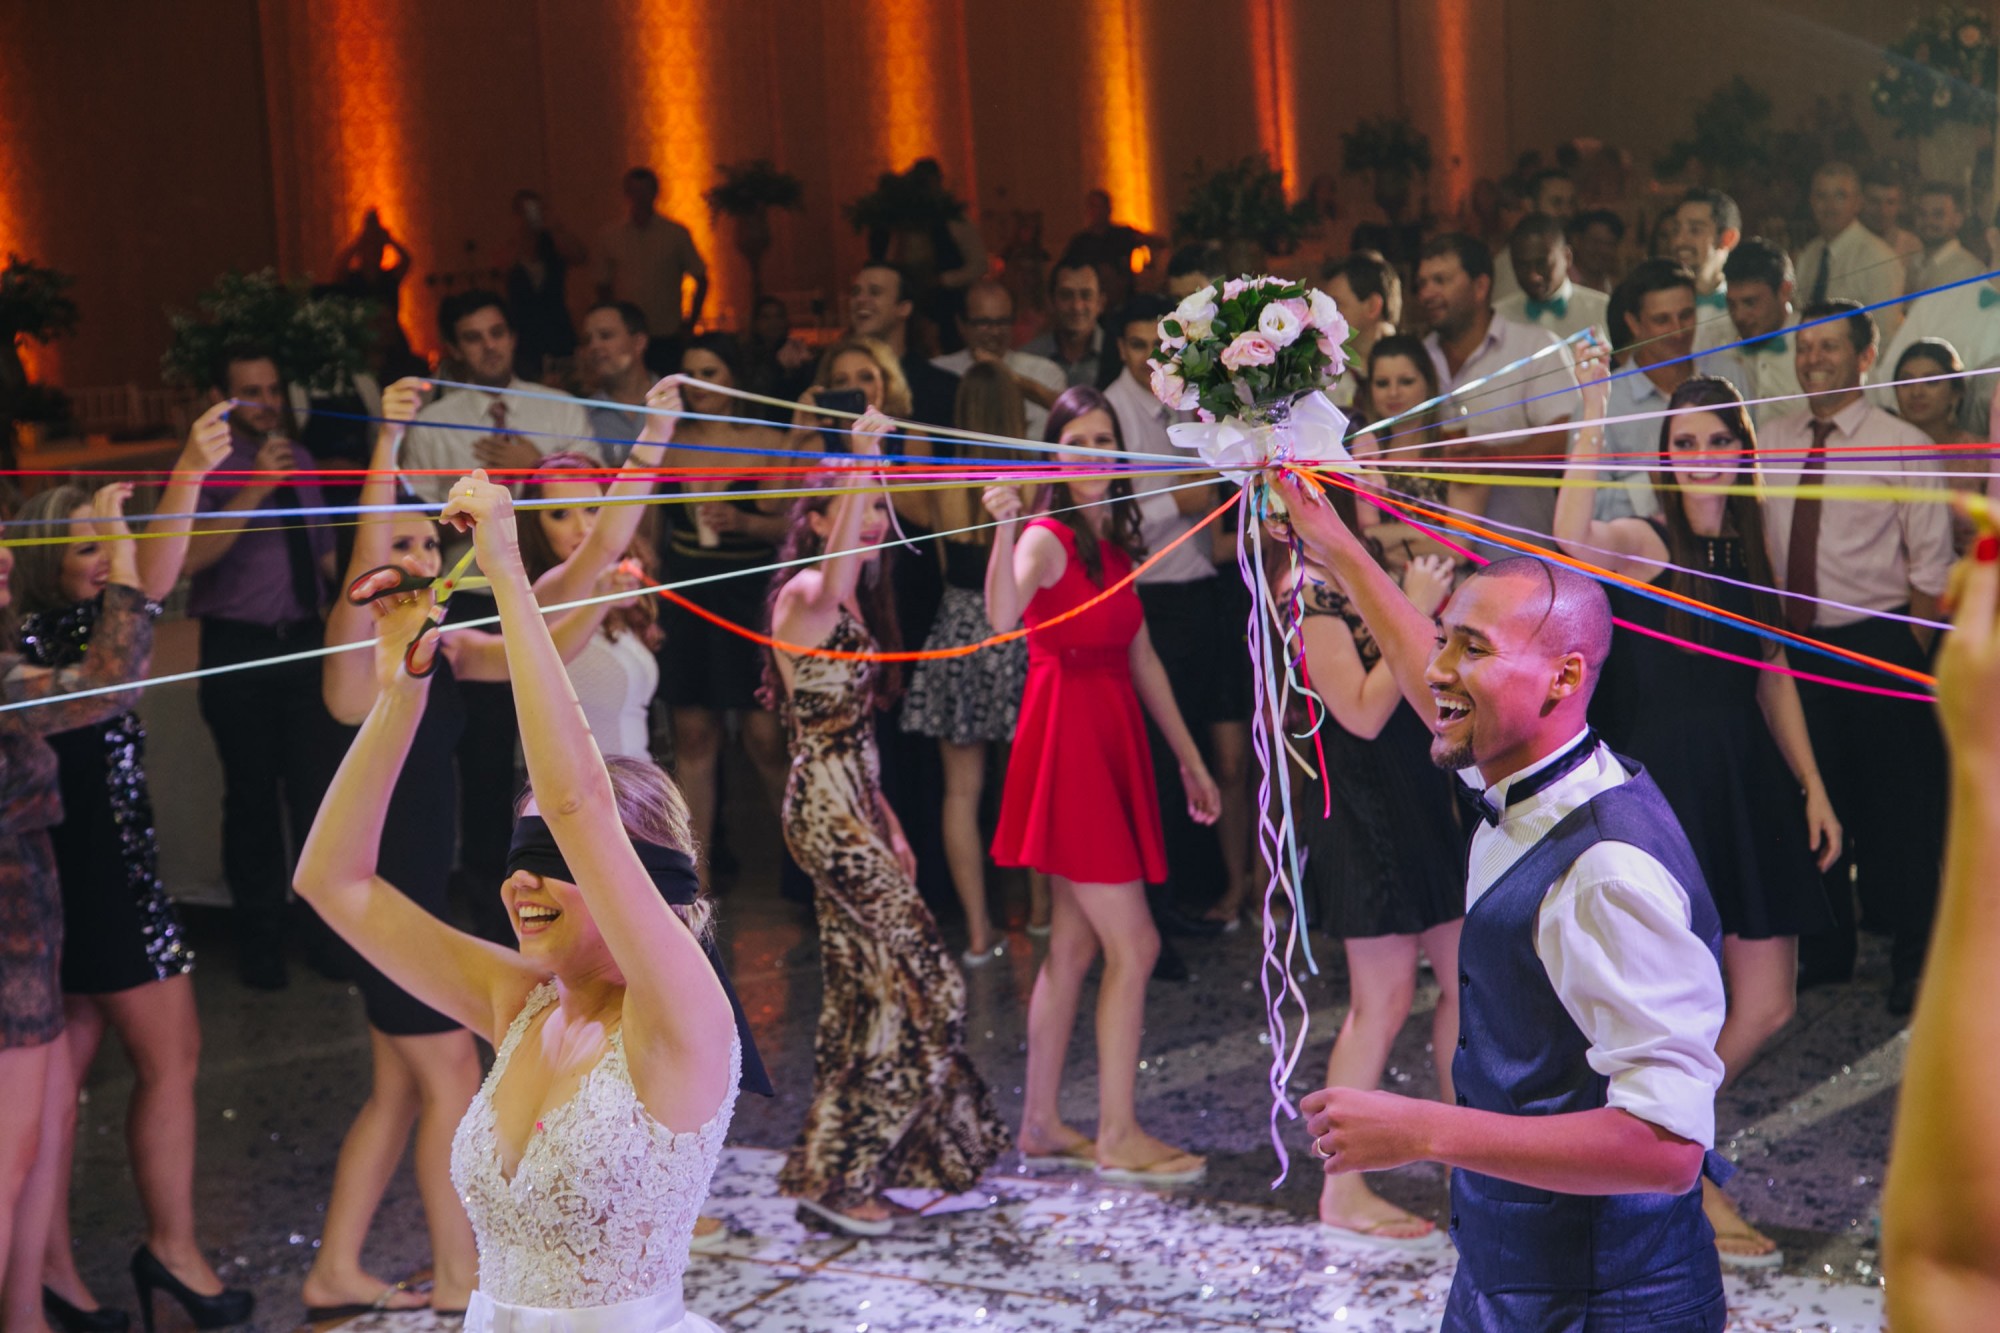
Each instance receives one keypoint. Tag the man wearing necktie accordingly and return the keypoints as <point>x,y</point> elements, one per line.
<point>1846,261</point>
<point>259,587</point>
<point>1855,568</point>
<point>1549,297</point>
<point>505,425</point>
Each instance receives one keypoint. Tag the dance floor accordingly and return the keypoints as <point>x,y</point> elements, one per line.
<point>283,1074</point>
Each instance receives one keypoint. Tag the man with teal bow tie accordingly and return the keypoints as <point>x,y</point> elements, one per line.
<point>1967,317</point>
<point>1548,297</point>
<point>1707,227</point>
<point>1757,281</point>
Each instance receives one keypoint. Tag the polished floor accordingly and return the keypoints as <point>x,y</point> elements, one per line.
<point>283,1073</point>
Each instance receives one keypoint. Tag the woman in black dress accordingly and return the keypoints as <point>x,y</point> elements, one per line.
<point>125,965</point>
<point>1727,743</point>
<point>1383,871</point>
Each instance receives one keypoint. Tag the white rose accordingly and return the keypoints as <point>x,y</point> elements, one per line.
<point>1200,328</point>
<point>1324,311</point>
<point>1196,307</point>
<point>1280,324</point>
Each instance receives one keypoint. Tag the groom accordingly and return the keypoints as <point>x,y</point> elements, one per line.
<point>1590,983</point>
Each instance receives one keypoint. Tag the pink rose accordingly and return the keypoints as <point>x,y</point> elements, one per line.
<point>1234,287</point>
<point>1331,350</point>
<point>1249,349</point>
<point>1172,390</point>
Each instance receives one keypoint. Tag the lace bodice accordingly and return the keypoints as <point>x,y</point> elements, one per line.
<point>604,1201</point>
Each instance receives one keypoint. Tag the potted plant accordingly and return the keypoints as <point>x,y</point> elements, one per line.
<point>34,303</point>
<point>319,341</point>
<point>1937,86</point>
<point>1242,207</point>
<point>1393,154</point>
<point>748,193</point>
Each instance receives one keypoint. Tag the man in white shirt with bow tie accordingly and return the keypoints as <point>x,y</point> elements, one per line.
<point>1549,298</point>
<point>1758,275</point>
<point>1707,226</point>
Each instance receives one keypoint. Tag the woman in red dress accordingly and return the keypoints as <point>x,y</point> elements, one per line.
<point>1079,803</point>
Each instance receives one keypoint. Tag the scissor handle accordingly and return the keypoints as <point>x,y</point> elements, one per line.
<point>373,587</point>
<point>410,653</point>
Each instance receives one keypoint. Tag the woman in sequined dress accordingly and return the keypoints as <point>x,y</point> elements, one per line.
<point>34,1066</point>
<point>125,964</point>
<point>1727,743</point>
<point>896,1102</point>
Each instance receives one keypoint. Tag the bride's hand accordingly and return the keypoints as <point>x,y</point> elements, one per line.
<point>398,622</point>
<point>485,510</point>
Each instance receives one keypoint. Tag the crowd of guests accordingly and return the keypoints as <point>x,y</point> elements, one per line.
<point>1124,735</point>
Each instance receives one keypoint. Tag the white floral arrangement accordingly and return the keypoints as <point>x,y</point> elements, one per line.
<point>1250,361</point>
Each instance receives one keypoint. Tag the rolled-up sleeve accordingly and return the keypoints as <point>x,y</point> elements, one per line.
<point>1641,986</point>
<point>1927,540</point>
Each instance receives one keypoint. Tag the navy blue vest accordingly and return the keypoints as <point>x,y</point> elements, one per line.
<point>1520,1053</point>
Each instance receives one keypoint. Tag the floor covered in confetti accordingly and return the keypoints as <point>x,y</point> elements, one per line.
<point>283,1074</point>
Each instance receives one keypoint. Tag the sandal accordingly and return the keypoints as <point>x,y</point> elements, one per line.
<point>1372,1238</point>
<point>327,1314</point>
<point>1079,1156</point>
<point>1155,1173</point>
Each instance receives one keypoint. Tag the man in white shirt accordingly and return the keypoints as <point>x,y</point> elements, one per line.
<point>1846,261</point>
<point>987,326</point>
<point>1590,986</point>
<point>1370,297</point>
<point>1939,218</point>
<point>1707,226</point>
<point>1882,210</point>
<point>1549,299</point>
<point>466,428</point>
<point>1758,276</point>
<point>1195,624</point>
<point>646,258</point>
<point>1468,342</point>
<point>1660,324</point>
<point>1967,317</point>
<point>1871,560</point>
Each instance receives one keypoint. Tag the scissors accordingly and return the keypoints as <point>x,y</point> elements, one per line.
<point>393,580</point>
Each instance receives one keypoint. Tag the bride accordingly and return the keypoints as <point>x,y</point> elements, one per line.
<point>584,1158</point>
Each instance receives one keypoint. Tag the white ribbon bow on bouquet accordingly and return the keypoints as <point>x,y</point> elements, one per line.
<point>1240,449</point>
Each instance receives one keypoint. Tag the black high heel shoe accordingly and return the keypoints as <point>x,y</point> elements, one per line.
<point>232,1305</point>
<point>70,1319</point>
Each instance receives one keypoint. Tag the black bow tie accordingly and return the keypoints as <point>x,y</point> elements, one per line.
<point>1478,805</point>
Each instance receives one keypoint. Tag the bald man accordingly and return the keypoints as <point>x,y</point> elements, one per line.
<point>1590,982</point>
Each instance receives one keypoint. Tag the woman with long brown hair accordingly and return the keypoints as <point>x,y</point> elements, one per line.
<point>1727,743</point>
<point>896,1102</point>
<point>969,703</point>
<point>1080,803</point>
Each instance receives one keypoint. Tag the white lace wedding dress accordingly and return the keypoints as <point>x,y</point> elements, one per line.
<point>591,1234</point>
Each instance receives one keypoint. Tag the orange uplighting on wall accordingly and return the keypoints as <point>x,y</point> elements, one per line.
<point>1270,35</point>
<point>672,126</point>
<point>918,106</point>
<point>1114,33</point>
<point>365,44</point>
<point>14,231</point>
<point>1454,57</point>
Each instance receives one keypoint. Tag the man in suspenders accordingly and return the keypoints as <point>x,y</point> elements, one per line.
<point>1590,980</point>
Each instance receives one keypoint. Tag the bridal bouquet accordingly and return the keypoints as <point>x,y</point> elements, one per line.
<point>1256,343</point>
<point>1250,361</point>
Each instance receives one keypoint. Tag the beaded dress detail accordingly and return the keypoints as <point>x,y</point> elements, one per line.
<point>603,1203</point>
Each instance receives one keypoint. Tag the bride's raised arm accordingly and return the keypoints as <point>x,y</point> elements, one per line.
<point>480,984</point>
<point>676,1016</point>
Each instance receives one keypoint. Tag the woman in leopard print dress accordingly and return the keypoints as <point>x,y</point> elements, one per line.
<point>896,1102</point>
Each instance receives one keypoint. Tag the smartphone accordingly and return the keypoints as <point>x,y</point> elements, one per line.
<point>835,432</point>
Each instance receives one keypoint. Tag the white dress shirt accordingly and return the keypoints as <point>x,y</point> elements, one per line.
<point>1968,318</point>
<point>1028,366</point>
<point>1952,263</point>
<point>1712,325</point>
<point>445,431</point>
<point>1142,422</point>
<point>1860,267</point>
<point>1581,308</point>
<point>1504,405</point>
<point>1615,935</point>
<point>1770,369</point>
<point>1871,552</point>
